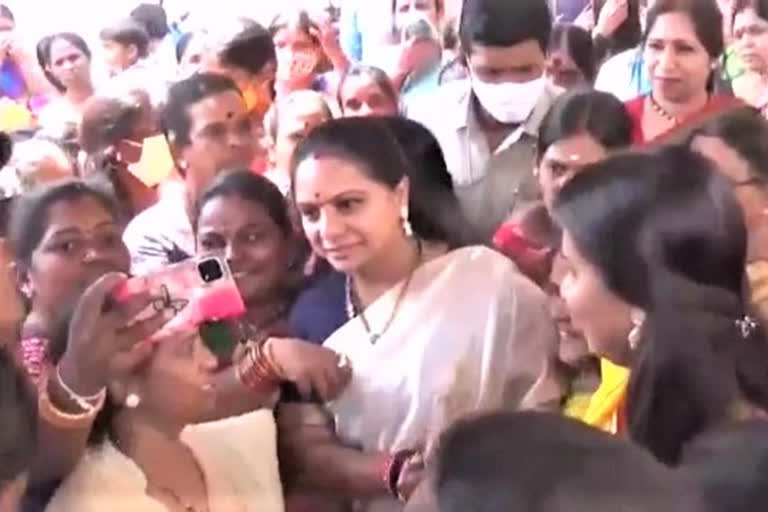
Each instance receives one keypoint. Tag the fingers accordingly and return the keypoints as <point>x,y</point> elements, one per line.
<point>92,302</point>
<point>142,330</point>
<point>127,361</point>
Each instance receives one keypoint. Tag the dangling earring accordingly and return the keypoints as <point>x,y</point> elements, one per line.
<point>407,228</point>
<point>637,317</point>
<point>132,401</point>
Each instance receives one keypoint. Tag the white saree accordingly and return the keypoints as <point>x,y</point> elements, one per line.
<point>471,334</point>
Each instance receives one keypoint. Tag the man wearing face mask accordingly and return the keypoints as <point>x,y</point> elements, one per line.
<point>487,124</point>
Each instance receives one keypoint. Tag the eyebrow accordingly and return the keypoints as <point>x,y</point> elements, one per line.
<point>331,199</point>
<point>77,231</point>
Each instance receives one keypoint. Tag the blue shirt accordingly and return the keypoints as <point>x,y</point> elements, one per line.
<point>320,309</point>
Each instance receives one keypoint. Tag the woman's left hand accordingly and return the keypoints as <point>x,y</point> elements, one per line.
<point>310,367</point>
<point>612,15</point>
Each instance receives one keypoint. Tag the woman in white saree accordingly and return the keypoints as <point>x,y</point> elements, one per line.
<point>434,333</point>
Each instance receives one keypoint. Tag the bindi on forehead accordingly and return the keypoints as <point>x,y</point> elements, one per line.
<point>230,114</point>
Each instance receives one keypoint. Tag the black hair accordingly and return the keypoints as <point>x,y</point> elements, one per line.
<point>107,121</point>
<point>504,23</point>
<point>626,36</point>
<point>5,12</point>
<point>184,94</point>
<point>6,148</point>
<point>377,76</point>
<point>253,188</point>
<point>182,44</point>
<point>667,236</point>
<point>539,462</point>
<point>731,464</point>
<point>431,181</point>
<point>18,408</point>
<point>29,215</point>
<point>128,33</point>
<point>577,44</point>
<point>705,16</point>
<point>745,131</point>
<point>153,18</point>
<point>594,113</point>
<point>43,52</point>
<point>251,49</point>
<point>370,143</point>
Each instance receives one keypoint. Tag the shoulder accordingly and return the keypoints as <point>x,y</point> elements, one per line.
<point>320,309</point>
<point>102,473</point>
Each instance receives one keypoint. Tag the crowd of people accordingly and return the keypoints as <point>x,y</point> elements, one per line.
<point>509,255</point>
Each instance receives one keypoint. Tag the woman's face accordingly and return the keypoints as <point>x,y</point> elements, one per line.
<point>349,219</point>
<point>69,64</point>
<point>362,97</point>
<point>297,55</point>
<point>678,63</point>
<point>82,242</point>
<point>752,197</point>
<point>573,348</point>
<point>562,71</point>
<point>256,248</point>
<point>595,311</point>
<point>750,32</point>
<point>177,383</point>
<point>563,160</point>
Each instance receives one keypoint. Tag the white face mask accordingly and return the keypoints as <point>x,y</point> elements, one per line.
<point>509,102</point>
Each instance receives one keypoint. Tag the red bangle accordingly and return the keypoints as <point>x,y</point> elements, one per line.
<point>254,371</point>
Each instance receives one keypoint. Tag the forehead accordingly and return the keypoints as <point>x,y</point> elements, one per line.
<point>82,212</point>
<point>319,178</point>
<point>62,48</point>
<point>674,25</point>
<point>291,33</point>
<point>217,107</point>
<point>360,85</point>
<point>520,54</point>
<point>298,121</point>
<point>231,211</point>
<point>420,4</point>
<point>748,16</point>
<point>577,149</point>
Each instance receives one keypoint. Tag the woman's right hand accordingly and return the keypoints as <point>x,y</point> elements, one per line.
<point>310,367</point>
<point>103,342</point>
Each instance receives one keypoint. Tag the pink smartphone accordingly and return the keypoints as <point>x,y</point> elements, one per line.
<point>197,291</point>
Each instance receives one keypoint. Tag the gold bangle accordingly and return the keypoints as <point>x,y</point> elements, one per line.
<point>58,418</point>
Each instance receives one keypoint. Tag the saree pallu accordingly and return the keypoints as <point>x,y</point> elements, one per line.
<point>238,458</point>
<point>472,334</point>
<point>606,407</point>
<point>716,105</point>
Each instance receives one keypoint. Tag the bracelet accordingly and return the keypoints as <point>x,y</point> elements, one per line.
<point>255,372</point>
<point>58,418</point>
<point>86,403</point>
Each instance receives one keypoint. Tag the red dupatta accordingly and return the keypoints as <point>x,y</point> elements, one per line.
<point>716,105</point>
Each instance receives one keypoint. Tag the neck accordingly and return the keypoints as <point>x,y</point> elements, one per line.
<point>261,311</point>
<point>146,441</point>
<point>79,95</point>
<point>386,270</point>
<point>38,323</point>
<point>683,109</point>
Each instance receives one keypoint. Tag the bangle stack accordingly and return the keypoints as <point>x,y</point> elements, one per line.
<point>255,370</point>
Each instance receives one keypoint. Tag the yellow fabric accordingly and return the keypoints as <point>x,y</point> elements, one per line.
<point>605,408</point>
<point>156,162</point>
<point>577,404</point>
<point>14,117</point>
<point>757,274</point>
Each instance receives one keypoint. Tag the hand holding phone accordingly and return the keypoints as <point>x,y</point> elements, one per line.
<point>194,291</point>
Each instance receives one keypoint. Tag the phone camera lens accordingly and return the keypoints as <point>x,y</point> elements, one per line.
<point>210,270</point>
